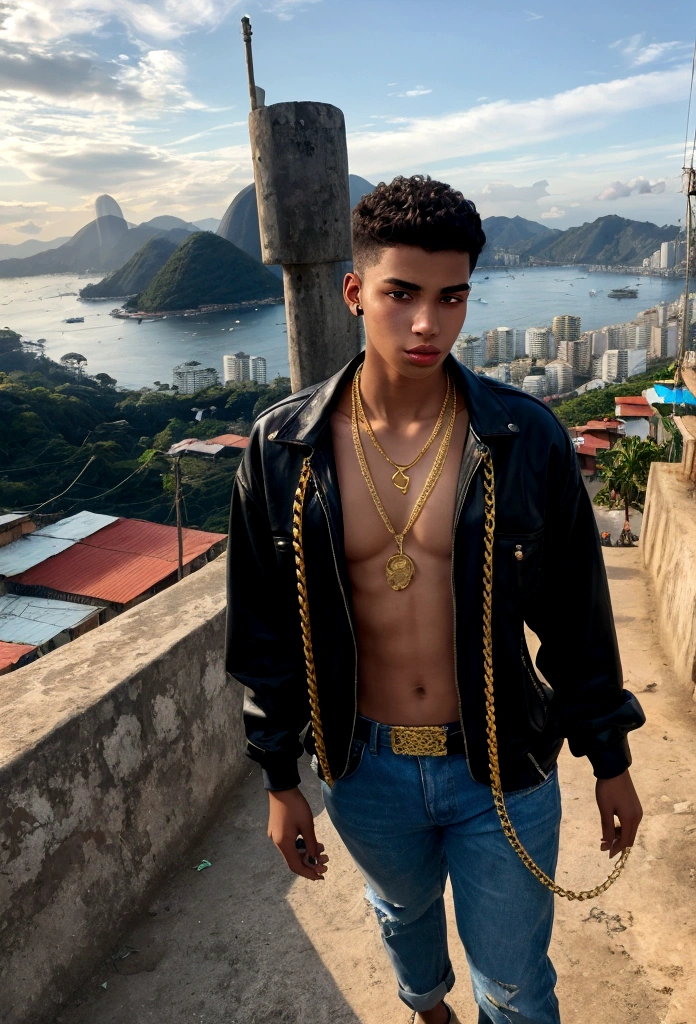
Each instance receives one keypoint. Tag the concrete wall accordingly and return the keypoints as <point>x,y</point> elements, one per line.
<point>668,543</point>
<point>114,752</point>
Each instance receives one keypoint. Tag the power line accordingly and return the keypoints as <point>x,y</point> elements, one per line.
<point>88,463</point>
<point>688,110</point>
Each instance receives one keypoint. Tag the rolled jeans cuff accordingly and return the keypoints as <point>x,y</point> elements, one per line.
<point>429,999</point>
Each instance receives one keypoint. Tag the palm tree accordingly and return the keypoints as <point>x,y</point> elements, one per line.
<point>625,469</point>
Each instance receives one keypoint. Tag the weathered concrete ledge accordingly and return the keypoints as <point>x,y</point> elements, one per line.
<point>114,752</point>
<point>668,542</point>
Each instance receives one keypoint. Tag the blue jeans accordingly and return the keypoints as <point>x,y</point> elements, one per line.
<point>408,822</point>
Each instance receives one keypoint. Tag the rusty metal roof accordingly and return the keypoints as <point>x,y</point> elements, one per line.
<point>230,440</point>
<point>36,620</point>
<point>120,562</point>
<point>11,653</point>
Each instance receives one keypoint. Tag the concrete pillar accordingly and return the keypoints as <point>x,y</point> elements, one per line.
<point>301,176</point>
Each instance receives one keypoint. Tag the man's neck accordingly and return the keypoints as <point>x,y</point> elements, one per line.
<point>395,399</point>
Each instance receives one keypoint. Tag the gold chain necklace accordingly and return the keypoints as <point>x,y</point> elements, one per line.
<point>400,568</point>
<point>399,479</point>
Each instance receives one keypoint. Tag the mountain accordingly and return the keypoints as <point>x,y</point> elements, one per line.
<point>207,269</point>
<point>9,251</point>
<point>105,206</point>
<point>104,244</point>
<point>136,274</point>
<point>167,223</point>
<point>240,224</point>
<point>208,223</point>
<point>611,239</point>
<point>510,233</point>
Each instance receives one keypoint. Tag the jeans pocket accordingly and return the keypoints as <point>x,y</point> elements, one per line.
<point>357,750</point>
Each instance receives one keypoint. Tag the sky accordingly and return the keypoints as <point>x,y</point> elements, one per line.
<point>560,113</point>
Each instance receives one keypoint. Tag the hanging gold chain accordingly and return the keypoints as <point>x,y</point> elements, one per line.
<point>491,735</point>
<point>371,434</point>
<point>433,475</point>
<point>297,514</point>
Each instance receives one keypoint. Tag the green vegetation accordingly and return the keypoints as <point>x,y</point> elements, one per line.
<point>55,420</point>
<point>595,405</point>
<point>612,240</point>
<point>625,469</point>
<point>207,269</point>
<point>135,275</point>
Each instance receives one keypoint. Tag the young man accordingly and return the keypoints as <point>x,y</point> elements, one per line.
<point>398,458</point>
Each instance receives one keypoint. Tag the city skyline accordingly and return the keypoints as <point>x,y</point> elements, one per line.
<point>564,116</point>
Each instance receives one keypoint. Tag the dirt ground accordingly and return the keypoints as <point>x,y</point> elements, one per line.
<point>244,942</point>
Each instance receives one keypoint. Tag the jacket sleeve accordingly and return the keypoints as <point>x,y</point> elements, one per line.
<point>263,638</point>
<point>570,611</point>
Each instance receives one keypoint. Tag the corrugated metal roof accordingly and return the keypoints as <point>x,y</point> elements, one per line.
<point>36,620</point>
<point>191,444</point>
<point>76,527</point>
<point>140,537</point>
<point>120,562</point>
<point>25,552</point>
<point>11,653</point>
<point>230,440</point>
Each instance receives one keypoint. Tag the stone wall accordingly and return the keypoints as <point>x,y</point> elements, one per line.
<point>114,752</point>
<point>668,542</point>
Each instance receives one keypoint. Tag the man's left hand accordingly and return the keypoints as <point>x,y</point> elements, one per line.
<point>617,797</point>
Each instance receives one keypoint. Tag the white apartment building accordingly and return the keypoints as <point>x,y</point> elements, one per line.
<point>538,343</point>
<point>578,353</point>
<point>191,377</point>
<point>559,377</point>
<point>566,327</point>
<point>667,255</point>
<point>468,350</point>
<point>620,364</point>
<point>600,342</point>
<point>242,366</point>
<point>535,384</point>
<point>500,372</point>
<point>639,336</point>
<point>664,341</point>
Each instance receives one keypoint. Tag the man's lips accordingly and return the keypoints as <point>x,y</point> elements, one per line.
<point>424,350</point>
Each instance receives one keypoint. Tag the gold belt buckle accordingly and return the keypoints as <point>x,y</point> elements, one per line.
<point>419,740</point>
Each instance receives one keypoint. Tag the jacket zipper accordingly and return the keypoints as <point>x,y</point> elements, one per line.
<point>460,506</point>
<point>537,766</point>
<point>530,673</point>
<point>348,615</point>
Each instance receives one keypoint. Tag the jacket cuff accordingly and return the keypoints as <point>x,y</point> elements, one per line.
<point>611,760</point>
<point>280,776</point>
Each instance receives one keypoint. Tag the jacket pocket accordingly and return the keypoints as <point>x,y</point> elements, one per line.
<point>539,694</point>
<point>517,562</point>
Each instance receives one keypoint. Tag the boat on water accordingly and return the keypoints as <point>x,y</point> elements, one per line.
<point>74,320</point>
<point>592,293</point>
<point>623,293</point>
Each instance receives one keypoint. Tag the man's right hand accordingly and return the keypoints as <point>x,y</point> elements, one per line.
<point>290,816</point>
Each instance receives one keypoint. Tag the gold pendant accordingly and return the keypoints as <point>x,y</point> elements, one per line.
<point>403,487</point>
<point>400,571</point>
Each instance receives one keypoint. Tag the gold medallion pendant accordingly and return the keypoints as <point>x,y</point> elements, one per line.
<point>400,571</point>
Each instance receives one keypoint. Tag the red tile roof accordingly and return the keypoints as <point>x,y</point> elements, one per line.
<point>120,562</point>
<point>230,440</point>
<point>633,407</point>
<point>592,445</point>
<point>604,424</point>
<point>11,653</point>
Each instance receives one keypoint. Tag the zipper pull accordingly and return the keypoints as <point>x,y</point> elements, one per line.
<point>519,553</point>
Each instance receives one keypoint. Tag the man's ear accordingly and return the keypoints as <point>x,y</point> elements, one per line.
<point>351,290</point>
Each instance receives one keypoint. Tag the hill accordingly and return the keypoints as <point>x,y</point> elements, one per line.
<point>515,233</point>
<point>613,240</point>
<point>135,275</point>
<point>207,269</point>
<point>30,247</point>
<point>103,244</point>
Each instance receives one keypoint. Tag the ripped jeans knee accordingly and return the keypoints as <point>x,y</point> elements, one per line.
<point>502,1002</point>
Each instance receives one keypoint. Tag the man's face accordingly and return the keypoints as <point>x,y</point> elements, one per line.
<point>415,305</point>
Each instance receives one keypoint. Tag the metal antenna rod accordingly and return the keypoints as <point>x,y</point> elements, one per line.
<point>246,36</point>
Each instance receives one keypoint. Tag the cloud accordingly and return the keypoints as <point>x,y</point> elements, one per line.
<point>640,185</point>
<point>639,54</point>
<point>43,21</point>
<point>29,228</point>
<point>501,192</point>
<point>418,91</point>
<point>553,213</point>
<point>505,124</point>
<point>14,212</point>
<point>533,16</point>
<point>80,79</point>
<point>285,10</point>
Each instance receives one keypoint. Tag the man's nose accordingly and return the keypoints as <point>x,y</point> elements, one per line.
<point>426,322</point>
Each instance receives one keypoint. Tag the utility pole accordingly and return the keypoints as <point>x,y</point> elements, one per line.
<point>300,162</point>
<point>177,502</point>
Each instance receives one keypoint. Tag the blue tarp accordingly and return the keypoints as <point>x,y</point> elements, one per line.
<point>666,394</point>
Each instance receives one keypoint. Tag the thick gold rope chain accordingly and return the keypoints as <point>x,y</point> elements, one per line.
<point>492,740</point>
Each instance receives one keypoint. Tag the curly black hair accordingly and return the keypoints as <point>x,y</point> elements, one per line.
<point>415,211</point>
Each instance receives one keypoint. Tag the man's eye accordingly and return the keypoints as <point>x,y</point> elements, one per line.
<point>399,295</point>
<point>454,298</point>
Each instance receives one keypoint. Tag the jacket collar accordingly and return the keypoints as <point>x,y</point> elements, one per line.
<point>488,414</point>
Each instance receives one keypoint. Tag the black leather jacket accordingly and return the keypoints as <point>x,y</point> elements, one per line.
<point>559,588</point>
